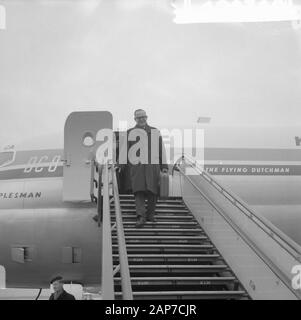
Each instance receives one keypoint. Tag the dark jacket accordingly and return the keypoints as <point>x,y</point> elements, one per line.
<point>146,176</point>
<point>63,296</point>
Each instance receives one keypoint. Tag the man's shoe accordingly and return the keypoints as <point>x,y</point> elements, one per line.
<point>140,222</point>
<point>150,218</point>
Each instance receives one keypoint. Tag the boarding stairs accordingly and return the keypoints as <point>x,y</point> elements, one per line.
<point>172,258</point>
<point>207,244</point>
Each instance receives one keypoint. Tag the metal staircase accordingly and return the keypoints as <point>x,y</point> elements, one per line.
<point>171,258</point>
<point>175,258</point>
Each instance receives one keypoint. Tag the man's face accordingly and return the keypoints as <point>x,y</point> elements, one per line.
<point>140,118</point>
<point>141,121</point>
<point>57,286</point>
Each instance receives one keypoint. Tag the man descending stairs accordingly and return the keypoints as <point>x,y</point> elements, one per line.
<point>172,257</point>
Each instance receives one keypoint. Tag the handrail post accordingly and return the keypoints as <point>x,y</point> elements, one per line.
<point>123,258</point>
<point>107,261</point>
<point>99,196</point>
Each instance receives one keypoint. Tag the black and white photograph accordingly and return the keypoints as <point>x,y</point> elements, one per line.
<point>150,150</point>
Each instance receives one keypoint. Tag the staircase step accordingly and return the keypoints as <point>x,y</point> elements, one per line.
<point>180,295</point>
<point>131,203</point>
<point>157,214</point>
<point>159,202</point>
<point>169,258</point>
<point>176,269</point>
<point>162,232</point>
<point>164,239</point>
<point>161,205</point>
<point>167,248</point>
<point>160,224</point>
<point>131,196</point>
<point>144,237</point>
<point>158,218</point>
<point>158,211</point>
<point>180,281</point>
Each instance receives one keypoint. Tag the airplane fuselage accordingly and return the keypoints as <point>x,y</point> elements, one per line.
<point>42,236</point>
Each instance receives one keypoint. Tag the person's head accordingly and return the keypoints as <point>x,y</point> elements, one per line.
<point>140,117</point>
<point>57,283</point>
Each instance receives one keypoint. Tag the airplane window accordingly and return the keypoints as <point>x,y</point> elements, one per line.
<point>88,140</point>
<point>6,158</point>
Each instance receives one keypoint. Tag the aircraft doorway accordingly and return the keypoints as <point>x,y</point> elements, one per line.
<point>2,277</point>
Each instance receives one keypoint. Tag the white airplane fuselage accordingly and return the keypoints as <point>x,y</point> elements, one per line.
<point>57,237</point>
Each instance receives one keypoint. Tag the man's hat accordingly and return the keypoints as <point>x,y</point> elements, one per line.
<point>57,278</point>
<point>140,113</point>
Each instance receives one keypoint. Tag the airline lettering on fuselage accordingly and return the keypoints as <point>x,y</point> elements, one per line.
<point>251,170</point>
<point>298,141</point>
<point>38,164</point>
<point>19,195</point>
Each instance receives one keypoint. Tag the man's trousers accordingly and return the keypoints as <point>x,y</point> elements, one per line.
<point>141,209</point>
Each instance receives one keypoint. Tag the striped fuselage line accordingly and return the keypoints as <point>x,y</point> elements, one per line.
<point>218,161</point>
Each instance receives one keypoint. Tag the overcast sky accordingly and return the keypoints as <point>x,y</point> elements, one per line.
<point>61,56</point>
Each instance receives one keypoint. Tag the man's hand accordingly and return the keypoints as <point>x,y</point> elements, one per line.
<point>118,168</point>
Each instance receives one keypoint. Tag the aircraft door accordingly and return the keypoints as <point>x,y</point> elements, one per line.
<point>80,145</point>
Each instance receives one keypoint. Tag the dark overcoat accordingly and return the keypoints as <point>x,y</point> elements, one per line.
<point>145,176</point>
<point>63,296</point>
